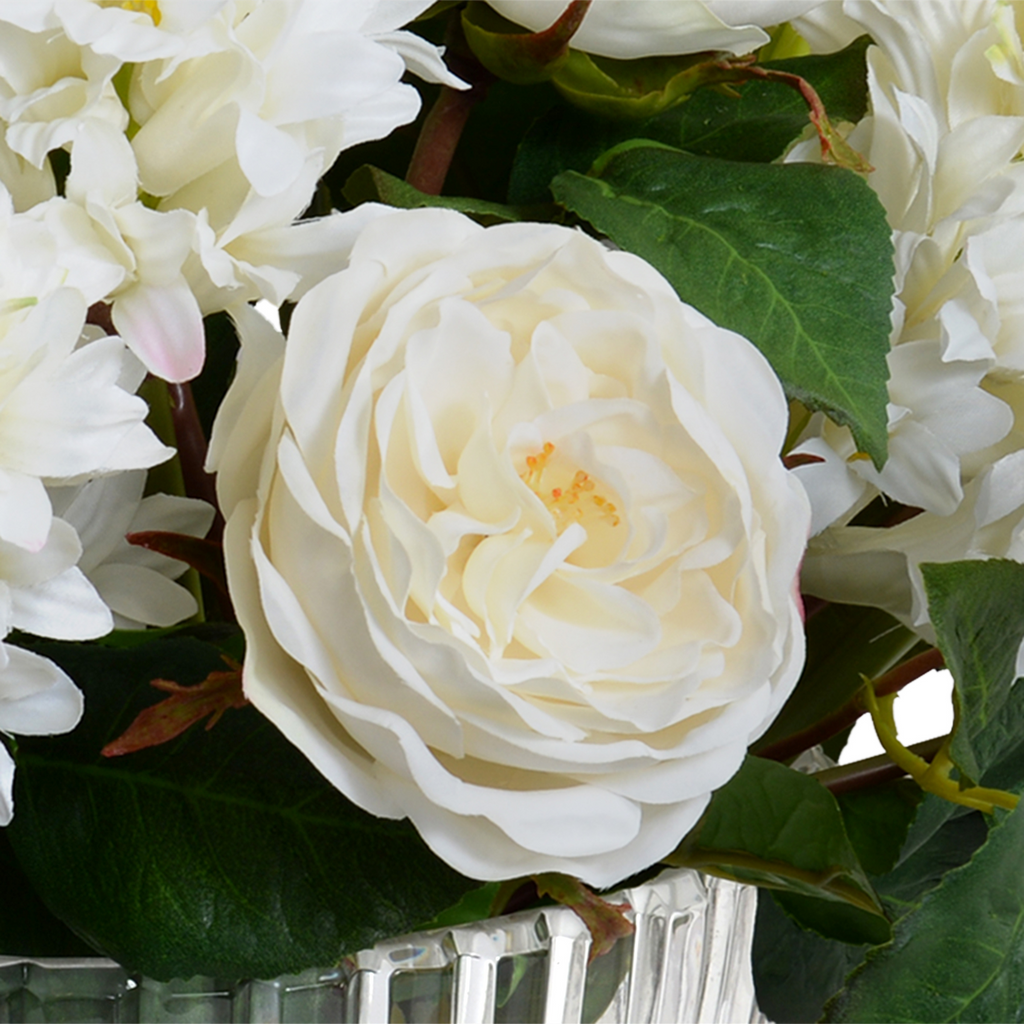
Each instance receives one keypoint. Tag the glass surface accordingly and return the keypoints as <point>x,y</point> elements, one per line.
<point>688,961</point>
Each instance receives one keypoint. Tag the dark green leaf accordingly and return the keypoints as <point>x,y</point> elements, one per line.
<point>756,122</point>
<point>773,826</point>
<point>960,955</point>
<point>27,928</point>
<point>221,853</point>
<point>925,863</point>
<point>218,369</point>
<point>370,184</point>
<point>843,643</point>
<point>483,159</point>
<point>839,922</point>
<point>877,820</point>
<point>796,257</point>
<point>766,117</point>
<point>796,971</point>
<point>977,609</point>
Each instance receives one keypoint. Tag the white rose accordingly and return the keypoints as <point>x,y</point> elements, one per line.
<point>626,29</point>
<point>511,543</point>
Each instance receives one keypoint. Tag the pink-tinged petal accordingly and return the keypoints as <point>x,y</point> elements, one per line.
<point>164,328</point>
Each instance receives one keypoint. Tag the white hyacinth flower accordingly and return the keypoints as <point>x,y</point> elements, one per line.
<point>136,585</point>
<point>945,135</point>
<point>64,413</point>
<point>42,592</point>
<point>197,131</point>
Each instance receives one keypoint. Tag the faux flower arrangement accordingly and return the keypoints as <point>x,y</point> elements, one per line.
<point>609,327</point>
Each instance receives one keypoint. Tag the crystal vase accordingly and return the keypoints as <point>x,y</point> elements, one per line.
<point>687,961</point>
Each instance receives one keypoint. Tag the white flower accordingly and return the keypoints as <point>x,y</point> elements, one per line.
<point>649,28</point>
<point>49,86</point>
<point>152,307</point>
<point>135,584</point>
<point>511,543</point>
<point>945,135</point>
<point>64,414</point>
<point>131,30</point>
<point>234,110</point>
<point>41,592</point>
<point>36,699</point>
<point>298,81</point>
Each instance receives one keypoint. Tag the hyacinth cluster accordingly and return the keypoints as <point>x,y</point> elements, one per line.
<point>153,158</point>
<point>945,135</point>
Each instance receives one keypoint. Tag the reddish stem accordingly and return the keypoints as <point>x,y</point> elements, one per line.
<point>834,149</point>
<point>100,315</point>
<point>892,682</point>
<point>188,432</point>
<point>443,125</point>
<point>439,139</point>
<point>873,771</point>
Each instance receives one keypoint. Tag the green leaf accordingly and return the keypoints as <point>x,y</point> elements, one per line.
<point>795,257</point>
<point>959,955</point>
<point>766,117</point>
<point>773,826</point>
<point>844,642</point>
<point>221,853</point>
<point>27,928</point>
<point>370,184</point>
<point>877,820</point>
<point>756,121</point>
<point>796,971</point>
<point>474,906</point>
<point>514,54</point>
<point>632,89</point>
<point>841,922</point>
<point>926,862</point>
<point>977,609</point>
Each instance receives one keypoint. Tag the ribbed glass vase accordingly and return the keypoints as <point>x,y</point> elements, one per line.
<point>688,961</point>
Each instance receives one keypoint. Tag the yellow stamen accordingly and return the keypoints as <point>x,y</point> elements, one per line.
<point>564,503</point>
<point>150,7</point>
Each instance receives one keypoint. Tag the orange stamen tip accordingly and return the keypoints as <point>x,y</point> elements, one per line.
<point>565,504</point>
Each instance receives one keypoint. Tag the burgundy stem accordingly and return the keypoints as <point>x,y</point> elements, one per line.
<point>443,125</point>
<point>874,770</point>
<point>100,315</point>
<point>188,432</point>
<point>892,682</point>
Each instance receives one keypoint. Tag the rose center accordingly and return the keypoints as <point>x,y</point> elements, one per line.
<point>573,502</point>
<point>150,7</point>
